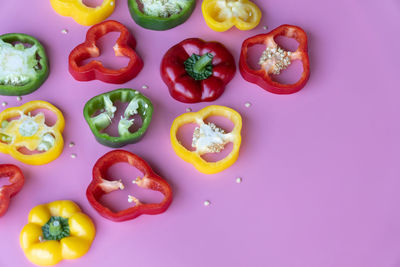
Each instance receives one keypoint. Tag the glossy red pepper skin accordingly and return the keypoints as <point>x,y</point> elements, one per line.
<point>150,180</point>
<point>182,86</point>
<point>262,77</point>
<point>16,179</point>
<point>125,46</point>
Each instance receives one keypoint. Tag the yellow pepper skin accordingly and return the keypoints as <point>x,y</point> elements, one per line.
<point>49,252</point>
<point>81,13</point>
<point>194,157</point>
<point>221,15</point>
<point>11,138</point>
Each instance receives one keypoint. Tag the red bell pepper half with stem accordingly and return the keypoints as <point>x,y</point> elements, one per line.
<point>100,186</point>
<point>197,71</point>
<point>274,59</point>
<point>16,179</point>
<point>125,46</point>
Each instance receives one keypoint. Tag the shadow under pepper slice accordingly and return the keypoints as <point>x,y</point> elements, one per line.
<point>197,71</point>
<point>138,104</point>
<point>160,15</point>
<point>274,59</point>
<point>208,138</point>
<point>125,46</point>
<point>100,186</point>
<point>16,179</point>
<point>22,69</point>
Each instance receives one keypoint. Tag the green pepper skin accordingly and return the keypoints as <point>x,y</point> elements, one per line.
<point>42,74</point>
<point>122,95</point>
<point>157,23</point>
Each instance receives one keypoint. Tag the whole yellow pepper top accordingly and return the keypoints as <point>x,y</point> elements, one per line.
<point>56,231</point>
<point>221,15</point>
<point>81,13</point>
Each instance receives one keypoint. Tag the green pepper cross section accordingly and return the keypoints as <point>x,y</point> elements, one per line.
<point>160,15</point>
<point>22,69</point>
<point>99,113</point>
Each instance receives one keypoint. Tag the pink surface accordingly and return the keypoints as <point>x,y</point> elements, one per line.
<point>320,168</point>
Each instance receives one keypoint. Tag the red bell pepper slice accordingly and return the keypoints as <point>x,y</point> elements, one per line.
<point>275,59</point>
<point>124,46</point>
<point>197,71</point>
<point>16,179</point>
<point>100,186</point>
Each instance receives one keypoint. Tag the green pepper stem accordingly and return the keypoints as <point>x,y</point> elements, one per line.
<point>203,61</point>
<point>56,228</point>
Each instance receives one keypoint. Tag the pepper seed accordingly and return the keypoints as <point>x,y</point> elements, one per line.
<point>73,155</point>
<point>145,86</point>
<point>207,203</point>
<point>71,144</point>
<point>247,104</point>
<point>265,27</point>
<point>188,110</point>
<point>239,180</point>
<point>4,104</point>
<point>64,31</point>
<point>19,98</point>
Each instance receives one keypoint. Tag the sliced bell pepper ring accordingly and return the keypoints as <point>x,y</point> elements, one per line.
<point>275,59</point>
<point>160,15</point>
<point>208,138</point>
<point>197,71</point>
<point>81,13</point>
<point>31,132</point>
<point>221,15</point>
<point>16,179</point>
<point>100,186</point>
<point>22,69</point>
<point>125,46</point>
<point>138,104</point>
<point>55,231</point>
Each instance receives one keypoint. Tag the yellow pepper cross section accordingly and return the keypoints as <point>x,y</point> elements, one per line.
<point>44,252</point>
<point>81,13</point>
<point>221,15</point>
<point>31,132</point>
<point>194,157</point>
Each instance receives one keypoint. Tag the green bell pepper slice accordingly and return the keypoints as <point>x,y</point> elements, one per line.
<point>22,69</point>
<point>100,110</point>
<point>160,15</point>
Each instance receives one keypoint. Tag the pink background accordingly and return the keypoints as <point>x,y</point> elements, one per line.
<point>320,168</point>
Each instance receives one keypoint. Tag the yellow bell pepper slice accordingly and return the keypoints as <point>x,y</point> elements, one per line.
<point>81,13</point>
<point>221,15</point>
<point>208,138</point>
<point>31,132</point>
<point>56,231</point>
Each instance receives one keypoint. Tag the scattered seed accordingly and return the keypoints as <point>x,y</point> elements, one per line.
<point>247,104</point>
<point>64,31</point>
<point>239,180</point>
<point>188,110</point>
<point>73,155</point>
<point>265,27</point>
<point>207,203</point>
<point>145,86</point>
<point>4,104</point>
<point>71,144</point>
<point>19,98</point>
